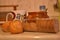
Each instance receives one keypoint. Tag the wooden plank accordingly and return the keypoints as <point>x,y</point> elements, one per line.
<point>8,5</point>
<point>14,6</point>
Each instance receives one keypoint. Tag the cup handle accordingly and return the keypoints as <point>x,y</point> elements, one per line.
<point>12,14</point>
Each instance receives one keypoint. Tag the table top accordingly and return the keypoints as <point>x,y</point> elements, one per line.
<point>29,36</point>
